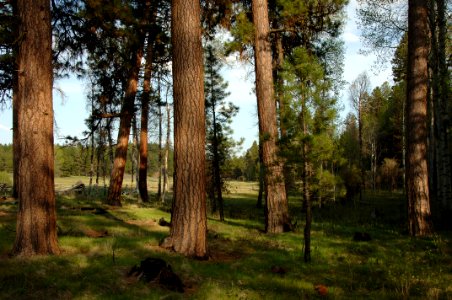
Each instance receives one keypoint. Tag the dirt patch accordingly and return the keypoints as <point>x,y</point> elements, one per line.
<point>219,255</point>
<point>144,223</point>
<point>223,250</point>
<point>95,233</point>
<point>5,213</point>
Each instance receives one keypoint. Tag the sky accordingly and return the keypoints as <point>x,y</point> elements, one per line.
<point>71,111</point>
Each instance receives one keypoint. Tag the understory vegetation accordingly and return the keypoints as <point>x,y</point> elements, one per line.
<point>100,244</point>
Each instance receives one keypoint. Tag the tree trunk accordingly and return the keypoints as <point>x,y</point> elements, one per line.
<point>91,167</point>
<point>16,148</point>
<point>445,96</point>
<point>167,148</point>
<point>216,165</point>
<point>135,155</point>
<point>143,171</point>
<point>36,217</point>
<point>188,233</point>
<point>127,111</point>
<point>289,181</point>
<point>306,189</point>
<point>444,172</point>
<point>360,141</point>
<point>160,156</point>
<point>416,110</point>
<point>277,215</point>
<point>261,178</point>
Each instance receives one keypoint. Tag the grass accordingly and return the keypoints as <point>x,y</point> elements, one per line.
<point>98,250</point>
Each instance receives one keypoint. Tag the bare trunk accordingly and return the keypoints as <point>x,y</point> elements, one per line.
<point>143,171</point>
<point>16,146</point>
<point>188,233</point>
<point>127,111</point>
<point>160,157</point>
<point>36,217</point>
<point>216,166</point>
<point>442,107</point>
<point>91,169</point>
<point>135,155</point>
<point>261,178</point>
<point>416,108</point>
<point>167,148</point>
<point>306,190</point>
<point>360,154</point>
<point>277,215</point>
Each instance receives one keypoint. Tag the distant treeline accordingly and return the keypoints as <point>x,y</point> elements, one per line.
<point>75,160</point>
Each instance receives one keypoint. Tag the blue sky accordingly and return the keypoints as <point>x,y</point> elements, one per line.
<point>70,110</point>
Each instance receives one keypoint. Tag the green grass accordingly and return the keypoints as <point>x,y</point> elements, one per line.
<point>390,266</point>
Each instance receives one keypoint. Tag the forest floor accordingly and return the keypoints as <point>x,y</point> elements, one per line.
<point>100,245</point>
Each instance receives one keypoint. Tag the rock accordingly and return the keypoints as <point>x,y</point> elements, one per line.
<point>158,271</point>
<point>151,268</point>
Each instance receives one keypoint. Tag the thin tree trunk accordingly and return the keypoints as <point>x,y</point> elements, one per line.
<point>91,171</point>
<point>36,217</point>
<point>289,180</point>
<point>99,153</point>
<point>277,214</point>
<point>135,153</point>
<point>360,154</point>
<point>160,157</point>
<point>16,146</point>
<point>445,175</point>
<point>127,111</point>
<point>216,165</point>
<point>306,188</point>
<point>261,178</point>
<point>188,233</point>
<point>417,88</point>
<point>143,172</point>
<point>167,148</point>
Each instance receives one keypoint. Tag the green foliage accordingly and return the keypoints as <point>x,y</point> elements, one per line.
<point>74,160</point>
<point>242,31</point>
<point>310,121</point>
<point>382,24</point>
<point>251,171</point>
<point>8,26</point>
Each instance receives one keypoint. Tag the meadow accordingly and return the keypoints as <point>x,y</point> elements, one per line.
<point>100,244</point>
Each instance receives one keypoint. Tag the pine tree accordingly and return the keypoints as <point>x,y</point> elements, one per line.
<point>417,186</point>
<point>36,217</point>
<point>277,213</point>
<point>219,115</point>
<point>188,233</point>
<point>310,130</point>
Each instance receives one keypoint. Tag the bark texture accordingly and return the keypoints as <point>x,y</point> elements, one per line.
<point>188,219</point>
<point>36,217</point>
<point>277,215</point>
<point>416,110</point>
